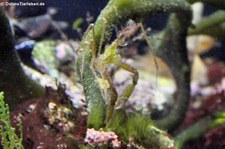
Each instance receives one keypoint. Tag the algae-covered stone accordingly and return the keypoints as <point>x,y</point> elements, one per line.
<point>52,56</point>
<point>44,57</point>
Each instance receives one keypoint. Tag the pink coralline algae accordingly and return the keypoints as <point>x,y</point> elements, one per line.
<point>99,137</point>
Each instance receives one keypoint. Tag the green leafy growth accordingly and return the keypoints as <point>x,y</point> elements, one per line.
<point>117,12</point>
<point>77,23</point>
<point>139,129</point>
<point>9,138</point>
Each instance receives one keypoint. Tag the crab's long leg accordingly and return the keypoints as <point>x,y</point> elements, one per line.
<point>96,52</point>
<point>112,97</point>
<point>129,89</point>
<point>151,48</point>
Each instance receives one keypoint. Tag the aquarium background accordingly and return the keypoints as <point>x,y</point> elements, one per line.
<point>68,77</point>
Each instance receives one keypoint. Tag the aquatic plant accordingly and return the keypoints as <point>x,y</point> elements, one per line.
<point>175,48</point>
<point>200,127</point>
<point>212,25</point>
<point>9,138</point>
<point>94,40</point>
<point>113,14</point>
<point>105,107</point>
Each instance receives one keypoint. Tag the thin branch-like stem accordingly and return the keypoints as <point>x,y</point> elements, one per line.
<point>200,127</point>
<point>118,12</point>
<point>213,25</point>
<point>172,49</point>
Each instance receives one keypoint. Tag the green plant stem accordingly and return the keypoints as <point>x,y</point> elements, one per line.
<point>200,127</point>
<point>218,3</point>
<point>172,49</point>
<point>117,12</point>
<point>16,86</point>
<point>213,25</point>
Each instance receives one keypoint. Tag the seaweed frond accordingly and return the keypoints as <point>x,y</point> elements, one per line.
<point>9,138</point>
